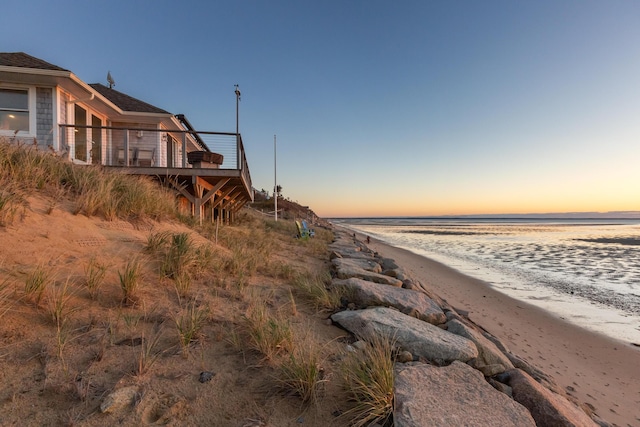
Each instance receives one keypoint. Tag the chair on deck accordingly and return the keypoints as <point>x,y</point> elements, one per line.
<point>146,158</point>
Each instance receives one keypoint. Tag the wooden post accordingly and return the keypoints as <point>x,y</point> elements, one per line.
<point>184,150</point>
<point>126,147</point>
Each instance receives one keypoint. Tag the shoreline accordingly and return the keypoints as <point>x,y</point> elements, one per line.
<point>599,371</point>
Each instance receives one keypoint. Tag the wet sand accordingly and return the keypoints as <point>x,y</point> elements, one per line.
<point>599,371</point>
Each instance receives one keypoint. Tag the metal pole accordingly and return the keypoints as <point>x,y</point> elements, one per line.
<point>237,110</point>
<point>275,179</point>
<point>237,127</point>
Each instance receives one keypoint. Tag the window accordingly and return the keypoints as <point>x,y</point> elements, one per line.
<point>14,110</point>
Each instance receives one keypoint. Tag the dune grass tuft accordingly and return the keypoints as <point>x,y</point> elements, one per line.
<point>36,283</point>
<point>313,287</point>
<point>190,323</point>
<point>94,276</point>
<point>268,334</point>
<point>301,371</point>
<point>149,352</point>
<point>59,303</point>
<point>130,281</point>
<point>368,375</point>
<point>5,298</point>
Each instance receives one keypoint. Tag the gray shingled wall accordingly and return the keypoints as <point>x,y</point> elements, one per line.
<point>44,117</point>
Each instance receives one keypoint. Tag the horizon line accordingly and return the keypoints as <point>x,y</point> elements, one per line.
<point>548,215</point>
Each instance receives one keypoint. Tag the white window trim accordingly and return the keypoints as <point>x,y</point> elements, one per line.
<point>71,119</point>
<point>32,107</point>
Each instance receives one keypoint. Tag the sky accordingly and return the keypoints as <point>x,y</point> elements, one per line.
<point>380,108</point>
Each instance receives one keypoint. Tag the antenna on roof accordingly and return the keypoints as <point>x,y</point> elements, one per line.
<point>112,82</point>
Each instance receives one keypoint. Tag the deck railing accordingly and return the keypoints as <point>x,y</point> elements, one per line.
<point>149,147</point>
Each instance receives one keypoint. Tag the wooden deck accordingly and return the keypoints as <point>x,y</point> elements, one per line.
<point>208,169</point>
<point>210,193</point>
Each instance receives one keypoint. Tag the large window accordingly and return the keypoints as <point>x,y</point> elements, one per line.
<point>14,110</point>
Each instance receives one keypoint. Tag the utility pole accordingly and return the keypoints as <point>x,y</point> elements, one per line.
<point>275,179</point>
<point>237,110</point>
<point>238,162</point>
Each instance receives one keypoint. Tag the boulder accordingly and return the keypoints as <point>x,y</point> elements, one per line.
<point>540,376</point>
<point>388,264</point>
<point>546,407</point>
<point>346,251</point>
<point>363,263</point>
<point>455,395</point>
<point>409,302</point>
<point>490,360</point>
<point>420,338</point>
<point>346,272</point>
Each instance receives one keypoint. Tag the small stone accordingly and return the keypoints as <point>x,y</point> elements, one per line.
<point>501,387</point>
<point>206,376</point>
<point>119,399</point>
<point>408,284</point>
<point>328,322</point>
<point>132,342</point>
<point>404,357</point>
<point>491,370</point>
<point>360,345</point>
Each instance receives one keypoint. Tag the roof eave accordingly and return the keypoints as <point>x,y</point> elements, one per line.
<point>35,71</point>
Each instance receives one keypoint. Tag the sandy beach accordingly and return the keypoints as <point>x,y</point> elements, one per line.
<point>600,372</point>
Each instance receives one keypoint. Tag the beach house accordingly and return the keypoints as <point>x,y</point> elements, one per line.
<point>51,108</point>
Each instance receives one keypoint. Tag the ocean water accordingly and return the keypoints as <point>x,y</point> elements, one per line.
<point>584,271</point>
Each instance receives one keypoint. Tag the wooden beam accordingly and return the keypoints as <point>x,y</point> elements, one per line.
<point>196,180</point>
<point>181,189</point>
<point>223,196</point>
<point>238,206</point>
<point>212,191</point>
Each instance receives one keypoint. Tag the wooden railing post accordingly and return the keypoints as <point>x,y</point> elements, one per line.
<point>184,149</point>
<point>126,147</point>
<point>238,154</point>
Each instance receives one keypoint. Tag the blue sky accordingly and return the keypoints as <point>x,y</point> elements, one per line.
<point>381,108</point>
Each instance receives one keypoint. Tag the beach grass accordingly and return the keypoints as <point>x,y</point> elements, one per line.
<point>36,283</point>
<point>94,190</point>
<point>189,325</point>
<point>269,334</point>
<point>368,374</point>
<point>301,372</point>
<point>59,302</point>
<point>313,287</point>
<point>130,281</point>
<point>95,272</point>
<point>236,291</point>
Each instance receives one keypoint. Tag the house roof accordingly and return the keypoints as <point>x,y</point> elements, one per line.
<point>22,60</point>
<point>126,102</point>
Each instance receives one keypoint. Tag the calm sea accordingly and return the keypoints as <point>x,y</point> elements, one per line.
<point>585,271</point>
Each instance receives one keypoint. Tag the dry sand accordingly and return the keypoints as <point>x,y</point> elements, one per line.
<point>45,383</point>
<point>601,372</point>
